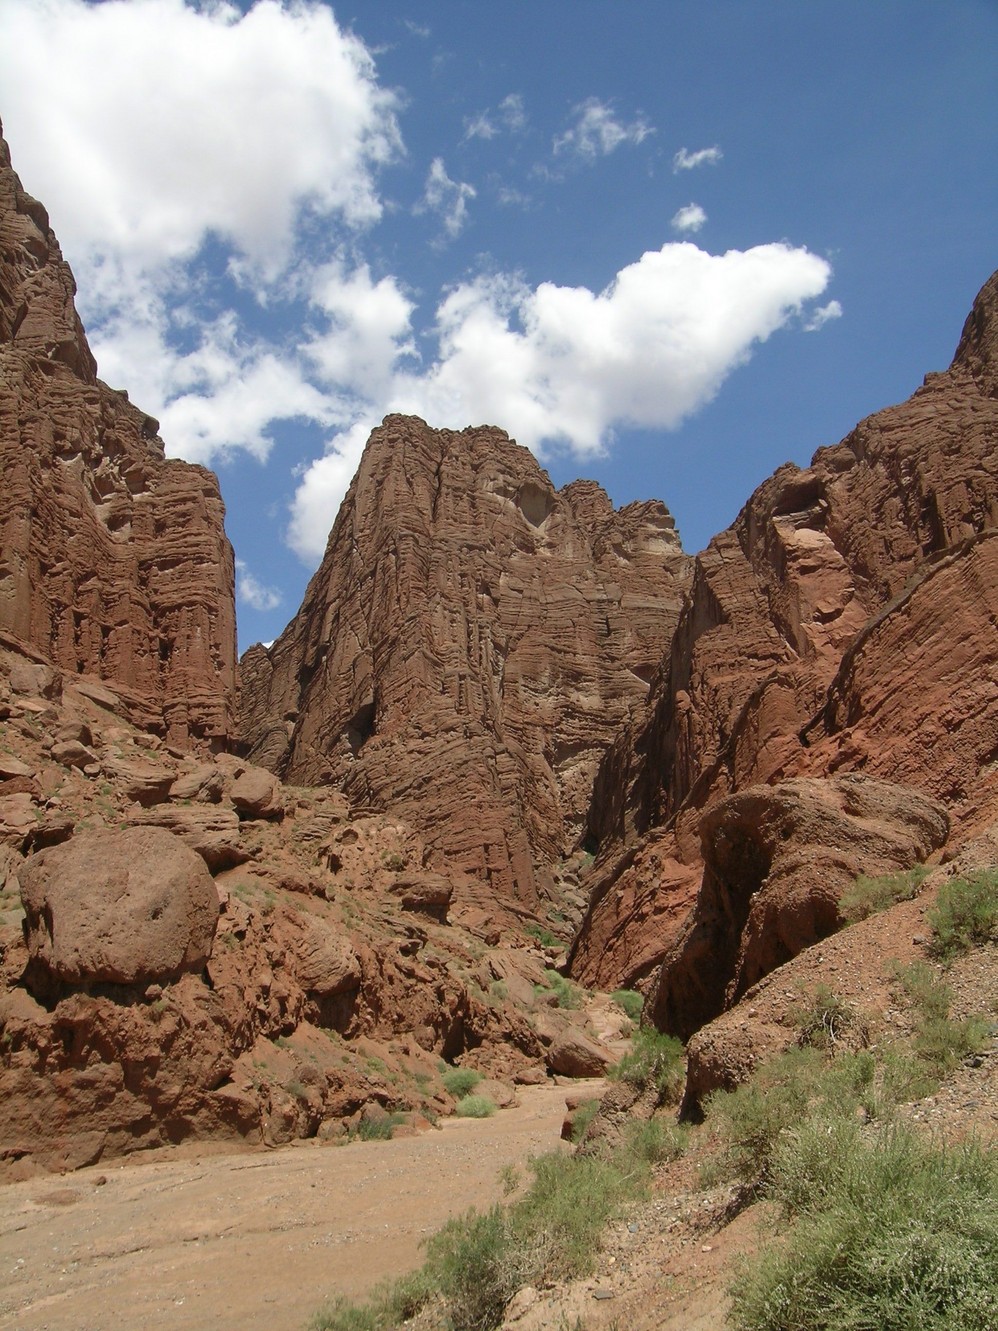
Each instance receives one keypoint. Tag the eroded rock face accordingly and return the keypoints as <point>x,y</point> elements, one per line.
<point>119,907</point>
<point>776,861</point>
<point>844,622</point>
<point>468,648</point>
<point>114,558</point>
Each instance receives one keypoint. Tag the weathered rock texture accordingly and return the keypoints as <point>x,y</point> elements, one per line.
<point>845,622</point>
<point>114,560</point>
<point>121,907</point>
<point>469,646</point>
<point>776,862</point>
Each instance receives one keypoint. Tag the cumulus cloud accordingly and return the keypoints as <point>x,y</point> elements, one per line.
<point>250,591</point>
<point>819,317</point>
<point>171,130</point>
<point>596,131</point>
<point>448,198</point>
<point>166,122</point>
<point>561,367</point>
<point>686,161</point>
<point>690,218</point>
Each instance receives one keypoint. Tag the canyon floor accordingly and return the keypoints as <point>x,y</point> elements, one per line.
<point>178,1241</point>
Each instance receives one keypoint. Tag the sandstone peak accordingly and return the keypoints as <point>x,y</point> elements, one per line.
<point>114,560</point>
<point>978,348</point>
<point>468,647</point>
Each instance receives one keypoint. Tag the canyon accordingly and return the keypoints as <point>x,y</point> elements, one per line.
<point>513,734</point>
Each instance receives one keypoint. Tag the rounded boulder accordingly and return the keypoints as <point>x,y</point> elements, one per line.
<point>124,907</point>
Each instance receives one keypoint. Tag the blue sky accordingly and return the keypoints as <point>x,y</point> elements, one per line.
<point>666,245</point>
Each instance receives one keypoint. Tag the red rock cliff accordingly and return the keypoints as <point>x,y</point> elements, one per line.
<point>114,559</point>
<point>844,622</point>
<point>468,648</point>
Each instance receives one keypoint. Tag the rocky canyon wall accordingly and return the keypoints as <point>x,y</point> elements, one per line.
<point>114,558</point>
<point>846,622</point>
<point>468,648</point>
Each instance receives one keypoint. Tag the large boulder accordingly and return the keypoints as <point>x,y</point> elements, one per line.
<point>121,907</point>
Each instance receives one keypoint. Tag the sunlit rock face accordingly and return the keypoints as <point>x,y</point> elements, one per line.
<point>469,647</point>
<point>844,623</point>
<point>114,559</point>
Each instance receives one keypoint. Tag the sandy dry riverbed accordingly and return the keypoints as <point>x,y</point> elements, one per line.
<point>254,1241</point>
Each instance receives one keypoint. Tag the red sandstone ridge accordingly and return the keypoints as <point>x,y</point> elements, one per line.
<point>468,648</point>
<point>114,559</point>
<point>844,623</point>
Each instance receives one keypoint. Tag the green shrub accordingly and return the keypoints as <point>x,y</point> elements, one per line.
<point>379,1129</point>
<point>567,994</point>
<point>939,1042</point>
<point>582,1117</point>
<point>630,1001</point>
<point>475,1106</point>
<point>543,936</point>
<point>460,1081</point>
<point>476,1263</point>
<point>894,1234</point>
<point>390,1303</point>
<point>779,1097</point>
<point>824,1020</point>
<point>655,1059</point>
<point>965,914</point>
<point>655,1142</point>
<point>867,896</point>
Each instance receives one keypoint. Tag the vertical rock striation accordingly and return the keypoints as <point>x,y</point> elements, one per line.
<point>844,622</point>
<point>468,648</point>
<point>113,559</point>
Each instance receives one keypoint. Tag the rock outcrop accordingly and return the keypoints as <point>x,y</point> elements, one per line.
<point>114,559</point>
<point>845,622</point>
<point>131,907</point>
<point>468,648</point>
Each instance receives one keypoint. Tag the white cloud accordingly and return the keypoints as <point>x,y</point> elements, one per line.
<point>169,128</point>
<point>596,131</point>
<point>686,161</point>
<point>509,115</point>
<point>366,330</point>
<point>321,488</point>
<point>562,366</point>
<point>250,591</point>
<point>690,218</point>
<point>481,126</point>
<point>165,122</point>
<point>818,319</point>
<point>446,197</point>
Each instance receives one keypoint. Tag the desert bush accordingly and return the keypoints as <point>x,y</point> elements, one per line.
<point>475,1106</point>
<point>867,896</point>
<point>939,1041</point>
<point>824,1019</point>
<point>655,1141</point>
<point>477,1262</point>
<point>630,1001</point>
<point>543,936</point>
<point>389,1305</point>
<point>582,1117</point>
<point>965,914</point>
<point>889,1234</point>
<point>779,1097</point>
<point>379,1129</point>
<point>567,994</point>
<point>460,1081</point>
<point>654,1059</point>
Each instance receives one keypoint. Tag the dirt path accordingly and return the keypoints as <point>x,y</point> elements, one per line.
<point>248,1242</point>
